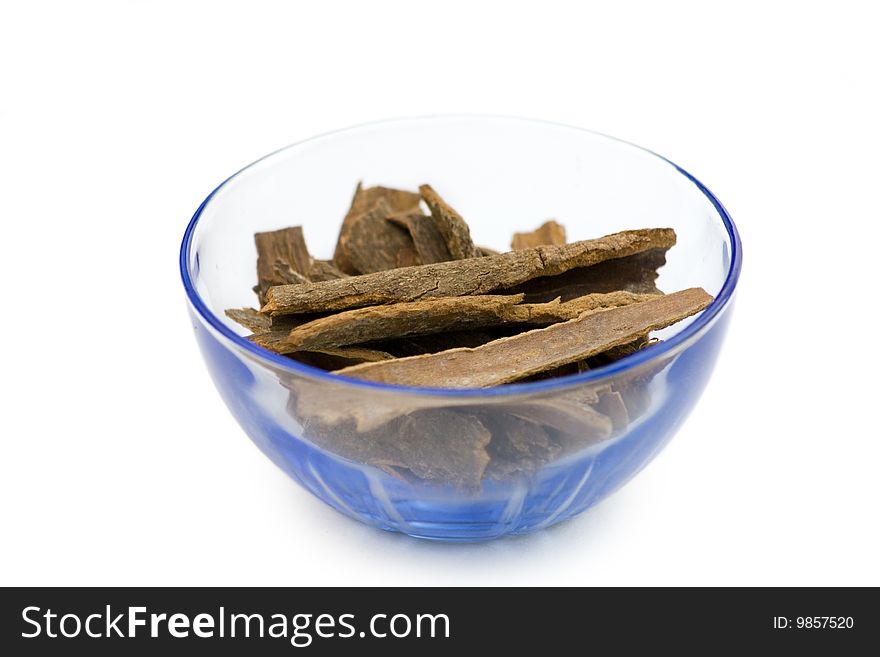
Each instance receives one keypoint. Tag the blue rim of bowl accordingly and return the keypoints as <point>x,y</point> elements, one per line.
<point>632,361</point>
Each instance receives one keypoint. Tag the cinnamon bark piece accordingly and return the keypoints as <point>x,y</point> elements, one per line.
<point>400,320</point>
<point>275,338</point>
<point>510,359</point>
<point>460,277</point>
<point>611,404</point>
<point>538,314</point>
<point>441,446</point>
<point>258,322</point>
<point>450,224</point>
<point>441,315</point>
<point>427,239</point>
<point>370,243</point>
<point>635,273</point>
<point>286,246</point>
<point>550,232</point>
<point>363,201</point>
<point>571,416</point>
<point>335,359</point>
<point>324,270</point>
<point>286,273</point>
<point>252,320</point>
<point>518,446</point>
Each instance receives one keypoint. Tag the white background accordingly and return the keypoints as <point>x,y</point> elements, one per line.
<point>121,465</point>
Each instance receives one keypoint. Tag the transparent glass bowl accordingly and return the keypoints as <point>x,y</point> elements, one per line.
<point>503,175</point>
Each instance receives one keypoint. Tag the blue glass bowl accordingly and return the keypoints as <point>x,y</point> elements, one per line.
<point>503,175</point>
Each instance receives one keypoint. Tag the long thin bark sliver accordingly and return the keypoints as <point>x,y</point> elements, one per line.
<point>509,359</point>
<point>336,359</point>
<point>400,320</point>
<point>636,273</point>
<point>461,277</point>
<point>431,316</point>
<point>251,319</point>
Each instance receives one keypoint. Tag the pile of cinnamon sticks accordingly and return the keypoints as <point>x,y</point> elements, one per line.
<point>408,298</point>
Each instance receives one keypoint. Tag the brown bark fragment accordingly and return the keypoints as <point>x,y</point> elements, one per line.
<point>571,416</point>
<point>401,319</point>
<point>324,270</point>
<point>427,239</point>
<point>611,404</point>
<point>334,359</point>
<point>364,199</point>
<point>408,257</point>
<point>326,407</point>
<point>550,232</point>
<point>287,246</point>
<point>275,338</point>
<point>538,314</point>
<point>616,353</point>
<point>441,315</point>
<point>252,320</point>
<point>435,445</point>
<point>518,446</point>
<point>635,273</point>
<point>450,224</point>
<point>513,358</point>
<point>370,243</point>
<point>285,272</point>
<point>440,445</point>
<point>460,277</point>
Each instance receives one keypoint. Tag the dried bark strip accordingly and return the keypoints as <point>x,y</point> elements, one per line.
<point>427,239</point>
<point>550,232</point>
<point>286,246</point>
<point>555,311</point>
<point>335,359</point>
<point>461,277</point>
<point>363,201</point>
<point>570,416</point>
<point>400,320</point>
<point>509,359</point>
<point>450,224</point>
<point>635,273</point>
<point>371,243</point>
<point>253,320</point>
<point>275,338</point>
<point>441,315</point>
<point>611,404</point>
<point>441,446</point>
<point>518,445</point>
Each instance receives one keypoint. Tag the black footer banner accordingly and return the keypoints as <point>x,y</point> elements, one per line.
<point>336,621</point>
